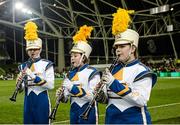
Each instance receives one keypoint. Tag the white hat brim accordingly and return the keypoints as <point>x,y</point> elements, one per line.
<point>33,47</point>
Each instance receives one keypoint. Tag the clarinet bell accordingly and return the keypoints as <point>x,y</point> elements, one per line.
<point>84,117</point>
<point>85,114</point>
<point>13,98</point>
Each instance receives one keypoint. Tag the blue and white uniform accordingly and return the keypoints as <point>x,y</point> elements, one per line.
<point>36,101</point>
<point>84,80</point>
<point>128,94</point>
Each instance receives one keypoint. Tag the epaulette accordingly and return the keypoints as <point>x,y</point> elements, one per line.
<point>147,73</point>
<point>49,63</point>
<point>95,72</point>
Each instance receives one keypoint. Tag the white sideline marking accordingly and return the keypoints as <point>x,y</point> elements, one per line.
<point>65,121</point>
<point>166,105</point>
<point>168,77</point>
<point>152,107</point>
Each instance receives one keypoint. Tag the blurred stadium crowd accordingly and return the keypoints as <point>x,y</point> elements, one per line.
<point>164,65</point>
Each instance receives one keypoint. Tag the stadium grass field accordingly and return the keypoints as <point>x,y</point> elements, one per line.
<point>164,104</point>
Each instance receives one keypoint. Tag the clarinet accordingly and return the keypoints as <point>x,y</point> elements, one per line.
<point>52,116</point>
<point>18,87</point>
<point>19,82</point>
<point>86,112</point>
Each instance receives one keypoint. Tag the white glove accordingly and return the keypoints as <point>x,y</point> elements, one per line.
<point>19,79</point>
<point>30,73</point>
<point>63,93</point>
<point>67,84</point>
<point>59,91</point>
<point>107,77</point>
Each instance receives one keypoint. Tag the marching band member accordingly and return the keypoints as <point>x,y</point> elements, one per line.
<point>82,79</point>
<point>130,82</point>
<point>40,78</point>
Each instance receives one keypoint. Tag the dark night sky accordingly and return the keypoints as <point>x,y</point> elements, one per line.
<point>155,46</point>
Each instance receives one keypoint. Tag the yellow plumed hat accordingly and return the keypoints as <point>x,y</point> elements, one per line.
<point>80,40</point>
<point>31,36</point>
<point>83,33</point>
<point>123,35</point>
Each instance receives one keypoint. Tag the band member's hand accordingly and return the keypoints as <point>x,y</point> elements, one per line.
<point>19,83</point>
<point>67,84</point>
<point>107,77</point>
<point>30,73</point>
<point>59,91</point>
<point>97,87</point>
<point>19,77</point>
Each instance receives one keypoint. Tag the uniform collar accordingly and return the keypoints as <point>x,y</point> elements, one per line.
<point>130,63</point>
<point>34,60</point>
<point>77,69</point>
<point>83,67</point>
<point>80,68</point>
<point>122,65</point>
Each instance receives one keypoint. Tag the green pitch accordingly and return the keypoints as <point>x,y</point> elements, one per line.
<point>164,104</point>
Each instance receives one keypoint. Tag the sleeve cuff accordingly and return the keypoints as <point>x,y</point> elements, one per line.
<point>119,88</point>
<point>77,91</point>
<point>39,81</point>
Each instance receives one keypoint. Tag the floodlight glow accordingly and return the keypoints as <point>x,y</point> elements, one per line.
<point>19,5</point>
<point>160,9</point>
<point>29,12</point>
<point>24,10</point>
